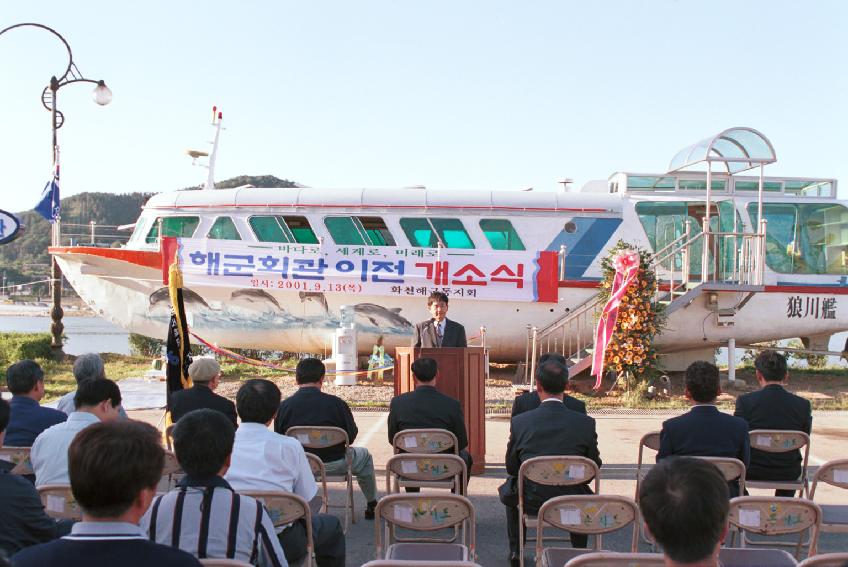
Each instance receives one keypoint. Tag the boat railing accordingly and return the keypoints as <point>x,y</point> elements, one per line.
<point>93,234</point>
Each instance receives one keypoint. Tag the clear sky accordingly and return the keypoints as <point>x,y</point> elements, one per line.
<point>446,94</point>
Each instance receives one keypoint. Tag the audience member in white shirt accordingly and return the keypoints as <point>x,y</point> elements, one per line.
<point>88,366</point>
<point>95,401</point>
<point>264,460</point>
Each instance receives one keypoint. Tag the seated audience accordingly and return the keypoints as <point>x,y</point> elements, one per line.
<point>22,522</point>
<point>312,407</point>
<point>425,407</point>
<point>95,401</point>
<point>25,381</point>
<point>87,366</point>
<point>772,407</point>
<point>530,400</point>
<point>264,460</point>
<point>684,502</point>
<point>203,515</point>
<point>114,469</point>
<point>205,374</point>
<point>550,429</point>
<point>704,431</point>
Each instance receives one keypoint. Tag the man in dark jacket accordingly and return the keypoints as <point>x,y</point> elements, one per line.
<point>205,374</point>
<point>439,331</point>
<point>550,429</point>
<point>311,407</point>
<point>25,380</point>
<point>704,431</point>
<point>772,407</point>
<point>530,400</point>
<point>425,407</point>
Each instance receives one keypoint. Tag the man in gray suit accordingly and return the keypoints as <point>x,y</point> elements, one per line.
<point>550,429</point>
<point>438,331</point>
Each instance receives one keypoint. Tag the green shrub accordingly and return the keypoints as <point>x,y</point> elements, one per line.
<point>141,345</point>
<point>18,346</point>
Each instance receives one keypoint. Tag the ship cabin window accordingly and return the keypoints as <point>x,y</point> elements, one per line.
<point>805,238</point>
<point>810,188</point>
<point>358,231</point>
<point>701,184</point>
<point>645,183</point>
<point>181,227</point>
<point>768,186</point>
<point>430,232</point>
<point>224,229</point>
<point>279,228</point>
<point>501,234</point>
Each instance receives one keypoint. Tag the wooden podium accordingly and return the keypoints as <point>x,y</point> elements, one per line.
<point>462,375</point>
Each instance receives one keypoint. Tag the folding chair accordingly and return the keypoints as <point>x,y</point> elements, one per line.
<point>610,559</point>
<point>322,437</point>
<point>826,560</point>
<point>558,470</point>
<point>591,514</point>
<point>425,441</point>
<point>59,502</point>
<point>425,513</point>
<point>172,471</point>
<point>285,508</point>
<point>18,456</point>
<point>777,441</point>
<point>320,472</point>
<point>425,471</point>
<point>834,516</point>
<point>732,469</point>
<point>223,563</point>
<point>650,441</point>
<point>400,563</point>
<point>770,516</point>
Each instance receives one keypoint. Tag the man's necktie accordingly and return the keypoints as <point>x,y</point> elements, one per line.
<point>438,334</point>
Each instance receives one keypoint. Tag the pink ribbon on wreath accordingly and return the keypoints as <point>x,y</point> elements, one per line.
<point>626,264</point>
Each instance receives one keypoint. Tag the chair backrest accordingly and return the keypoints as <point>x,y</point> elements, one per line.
<point>424,513</point>
<point>424,467</point>
<point>169,437</point>
<point>320,473</point>
<point>59,502</point>
<point>826,560</point>
<point>834,473</point>
<point>588,514</point>
<point>18,456</point>
<point>283,507</point>
<point>772,515</point>
<point>608,558</point>
<point>172,465</point>
<point>778,441</point>
<point>223,563</point>
<point>648,441</point>
<point>318,437</point>
<point>732,469</point>
<point>413,563</point>
<point>425,441</point>
<point>558,470</point>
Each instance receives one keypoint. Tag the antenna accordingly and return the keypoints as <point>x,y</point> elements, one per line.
<point>194,154</point>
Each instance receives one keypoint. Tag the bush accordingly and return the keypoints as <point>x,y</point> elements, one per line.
<point>141,345</point>
<point>18,346</point>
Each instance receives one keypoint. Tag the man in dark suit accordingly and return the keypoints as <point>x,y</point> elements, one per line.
<point>530,400</point>
<point>205,374</point>
<point>25,380</point>
<point>704,431</point>
<point>425,407</point>
<point>311,407</point>
<point>550,429</point>
<point>772,407</point>
<point>438,331</point>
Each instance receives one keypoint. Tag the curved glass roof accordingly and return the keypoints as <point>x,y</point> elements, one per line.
<point>737,148</point>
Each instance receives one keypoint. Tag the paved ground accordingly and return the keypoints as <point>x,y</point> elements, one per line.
<point>618,435</point>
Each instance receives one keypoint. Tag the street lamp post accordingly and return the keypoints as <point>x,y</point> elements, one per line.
<point>102,96</point>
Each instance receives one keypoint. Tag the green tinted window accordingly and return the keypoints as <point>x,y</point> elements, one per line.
<point>805,238</point>
<point>283,229</point>
<point>181,227</point>
<point>452,233</point>
<point>224,229</point>
<point>772,186</point>
<point>501,235</point>
<point>419,232</point>
<point>376,230</point>
<point>700,185</point>
<point>343,230</point>
<point>642,183</point>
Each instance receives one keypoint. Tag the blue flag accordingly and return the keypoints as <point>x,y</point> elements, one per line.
<point>48,206</point>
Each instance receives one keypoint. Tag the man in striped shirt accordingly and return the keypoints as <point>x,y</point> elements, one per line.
<point>114,469</point>
<point>203,515</point>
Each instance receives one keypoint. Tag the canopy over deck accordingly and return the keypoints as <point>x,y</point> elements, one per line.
<point>738,149</point>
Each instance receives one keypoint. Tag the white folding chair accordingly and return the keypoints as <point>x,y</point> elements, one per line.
<point>59,502</point>
<point>425,513</point>
<point>18,456</point>
<point>425,471</point>
<point>425,441</point>
<point>611,559</point>
<point>770,516</point>
<point>323,437</point>
<point>834,516</point>
<point>732,469</point>
<point>320,472</point>
<point>826,560</point>
<point>554,470</point>
<point>648,441</point>
<point>172,471</point>
<point>590,514</point>
<point>778,441</point>
<point>284,508</point>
